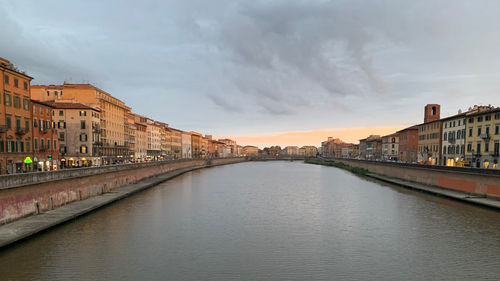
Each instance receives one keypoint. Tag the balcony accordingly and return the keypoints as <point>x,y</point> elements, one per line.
<point>452,141</point>
<point>44,130</point>
<point>494,153</point>
<point>3,129</point>
<point>96,129</point>
<point>21,131</point>
<point>485,136</point>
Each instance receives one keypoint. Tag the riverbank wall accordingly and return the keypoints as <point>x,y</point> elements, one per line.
<point>477,182</point>
<point>23,195</point>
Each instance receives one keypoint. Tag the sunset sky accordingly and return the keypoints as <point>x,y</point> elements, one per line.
<point>264,72</point>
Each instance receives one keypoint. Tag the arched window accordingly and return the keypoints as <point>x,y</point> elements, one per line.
<point>445,136</point>
<point>444,149</point>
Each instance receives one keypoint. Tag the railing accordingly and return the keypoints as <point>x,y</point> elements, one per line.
<point>21,131</point>
<point>485,136</point>
<point>3,128</point>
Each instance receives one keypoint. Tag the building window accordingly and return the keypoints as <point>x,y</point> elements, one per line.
<point>55,145</point>
<point>10,146</point>
<point>83,113</point>
<point>42,143</point>
<point>8,121</point>
<point>35,143</point>
<point>471,120</point>
<point>486,147</point>
<point>48,144</point>
<point>8,99</point>
<point>82,124</point>
<point>445,136</point>
<point>16,83</point>
<point>26,104</point>
<point>487,130</point>
<point>35,123</point>
<point>25,85</point>
<point>61,113</point>
<point>83,137</point>
<point>61,136</point>
<point>478,131</point>
<point>478,148</point>
<point>497,129</point>
<point>83,149</point>
<point>6,79</point>
<point>17,101</point>
<point>27,124</point>
<point>28,146</point>
<point>469,147</point>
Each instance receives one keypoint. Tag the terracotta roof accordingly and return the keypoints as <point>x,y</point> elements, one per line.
<point>68,105</point>
<point>414,127</point>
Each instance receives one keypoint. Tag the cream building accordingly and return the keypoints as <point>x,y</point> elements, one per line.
<point>79,131</point>
<point>154,133</point>
<point>186,145</point>
<point>141,138</point>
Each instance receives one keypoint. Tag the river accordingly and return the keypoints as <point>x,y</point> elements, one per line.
<point>272,220</point>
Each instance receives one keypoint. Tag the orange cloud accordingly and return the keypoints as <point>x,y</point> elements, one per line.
<point>314,137</point>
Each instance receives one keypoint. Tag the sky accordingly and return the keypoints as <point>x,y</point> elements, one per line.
<point>266,72</point>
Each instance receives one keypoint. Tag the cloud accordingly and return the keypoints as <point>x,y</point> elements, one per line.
<point>314,137</point>
<point>254,67</point>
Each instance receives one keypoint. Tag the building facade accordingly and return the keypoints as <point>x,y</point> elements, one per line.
<point>113,114</point>
<point>390,147</point>
<point>45,137</point>
<point>176,143</point>
<point>196,144</point>
<point>429,136</point>
<point>453,140</point>
<point>408,144</point>
<point>15,120</point>
<point>186,145</point>
<point>78,128</point>
<point>482,138</point>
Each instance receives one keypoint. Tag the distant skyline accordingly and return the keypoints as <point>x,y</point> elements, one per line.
<point>264,70</point>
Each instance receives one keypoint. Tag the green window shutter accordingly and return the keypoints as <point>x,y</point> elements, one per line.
<point>22,146</point>
<point>1,146</point>
<point>12,146</point>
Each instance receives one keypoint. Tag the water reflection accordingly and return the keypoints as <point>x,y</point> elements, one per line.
<point>267,221</point>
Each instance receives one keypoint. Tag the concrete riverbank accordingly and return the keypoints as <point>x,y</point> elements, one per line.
<point>31,225</point>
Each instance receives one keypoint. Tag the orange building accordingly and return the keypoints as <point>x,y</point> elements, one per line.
<point>15,120</point>
<point>429,136</point>
<point>45,139</point>
<point>113,114</point>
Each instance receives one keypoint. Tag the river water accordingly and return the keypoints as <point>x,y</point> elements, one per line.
<point>267,221</point>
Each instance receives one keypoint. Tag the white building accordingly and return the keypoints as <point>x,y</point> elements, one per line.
<point>453,138</point>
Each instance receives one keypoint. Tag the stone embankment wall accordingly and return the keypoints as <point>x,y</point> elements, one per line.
<point>27,194</point>
<point>475,181</point>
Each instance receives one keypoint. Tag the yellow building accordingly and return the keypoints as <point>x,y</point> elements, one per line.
<point>251,150</point>
<point>16,137</point>
<point>113,113</point>
<point>308,151</point>
<point>482,138</point>
<point>196,144</point>
<point>204,147</point>
<point>176,143</point>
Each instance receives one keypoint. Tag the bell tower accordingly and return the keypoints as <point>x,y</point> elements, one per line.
<point>432,112</point>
